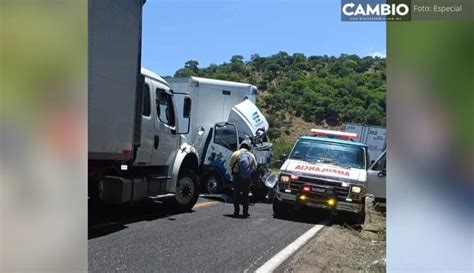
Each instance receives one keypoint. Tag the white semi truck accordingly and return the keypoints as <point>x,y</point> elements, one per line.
<point>373,136</point>
<point>225,114</point>
<point>136,146</point>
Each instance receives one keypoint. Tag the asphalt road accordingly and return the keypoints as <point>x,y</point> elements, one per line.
<point>151,237</point>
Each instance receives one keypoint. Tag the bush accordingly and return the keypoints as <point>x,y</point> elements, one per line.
<point>280,147</point>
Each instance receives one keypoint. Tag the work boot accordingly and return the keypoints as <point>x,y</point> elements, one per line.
<point>246,215</point>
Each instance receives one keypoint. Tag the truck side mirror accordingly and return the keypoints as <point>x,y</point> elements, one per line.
<point>283,157</point>
<point>187,107</point>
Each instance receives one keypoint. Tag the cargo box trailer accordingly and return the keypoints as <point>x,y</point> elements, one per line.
<point>373,136</point>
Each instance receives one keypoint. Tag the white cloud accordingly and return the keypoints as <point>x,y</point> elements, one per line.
<point>378,53</point>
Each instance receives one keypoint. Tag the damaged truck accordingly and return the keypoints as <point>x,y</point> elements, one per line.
<point>223,115</point>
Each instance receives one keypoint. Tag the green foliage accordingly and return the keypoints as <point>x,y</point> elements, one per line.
<point>318,89</point>
<point>280,147</point>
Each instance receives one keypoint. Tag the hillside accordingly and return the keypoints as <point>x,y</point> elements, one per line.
<point>299,92</point>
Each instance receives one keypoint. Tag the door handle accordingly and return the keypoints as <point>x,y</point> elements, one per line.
<point>157,142</point>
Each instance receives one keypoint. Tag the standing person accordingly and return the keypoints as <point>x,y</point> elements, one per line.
<point>243,165</point>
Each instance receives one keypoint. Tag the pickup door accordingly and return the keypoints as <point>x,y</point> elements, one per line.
<point>376,177</point>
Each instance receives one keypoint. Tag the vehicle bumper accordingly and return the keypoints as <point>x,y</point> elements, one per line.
<point>355,206</point>
<point>348,206</point>
<point>285,197</point>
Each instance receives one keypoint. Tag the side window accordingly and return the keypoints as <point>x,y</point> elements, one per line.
<point>146,101</point>
<point>380,165</point>
<point>241,136</point>
<point>164,107</point>
<point>226,136</point>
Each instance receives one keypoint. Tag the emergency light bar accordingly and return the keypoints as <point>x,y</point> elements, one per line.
<point>333,134</point>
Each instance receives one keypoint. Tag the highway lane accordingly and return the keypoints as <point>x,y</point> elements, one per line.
<point>154,238</point>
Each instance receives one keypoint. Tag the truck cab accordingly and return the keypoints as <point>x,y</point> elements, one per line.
<point>164,164</point>
<point>224,112</point>
<point>245,122</point>
<point>158,137</point>
<point>325,170</point>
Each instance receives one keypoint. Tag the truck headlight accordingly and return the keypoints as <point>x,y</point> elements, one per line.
<point>285,179</point>
<point>356,189</point>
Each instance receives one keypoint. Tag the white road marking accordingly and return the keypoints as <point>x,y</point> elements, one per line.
<point>281,256</point>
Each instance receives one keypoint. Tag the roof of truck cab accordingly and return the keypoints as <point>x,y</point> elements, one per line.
<point>334,140</point>
<point>150,74</point>
<point>213,82</point>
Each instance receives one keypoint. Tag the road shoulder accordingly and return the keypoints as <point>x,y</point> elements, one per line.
<point>341,248</point>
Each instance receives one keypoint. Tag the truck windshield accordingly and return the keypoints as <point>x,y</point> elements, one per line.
<point>330,153</point>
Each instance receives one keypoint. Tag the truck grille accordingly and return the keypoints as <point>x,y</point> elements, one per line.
<point>340,191</point>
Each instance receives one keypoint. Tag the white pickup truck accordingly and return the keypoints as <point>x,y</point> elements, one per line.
<point>326,170</point>
<point>376,180</point>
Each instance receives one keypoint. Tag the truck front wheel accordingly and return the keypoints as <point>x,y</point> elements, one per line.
<point>187,190</point>
<point>212,183</point>
<point>357,219</point>
<point>280,209</point>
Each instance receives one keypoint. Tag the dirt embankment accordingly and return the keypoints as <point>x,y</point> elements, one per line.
<point>339,248</point>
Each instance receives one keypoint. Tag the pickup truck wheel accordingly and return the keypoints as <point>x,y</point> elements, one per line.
<point>280,209</point>
<point>212,183</point>
<point>187,190</point>
<point>357,219</point>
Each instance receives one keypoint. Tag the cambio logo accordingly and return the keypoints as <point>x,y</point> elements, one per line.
<point>371,10</point>
<point>378,9</point>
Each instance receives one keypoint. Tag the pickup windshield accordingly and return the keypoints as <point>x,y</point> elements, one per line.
<point>314,151</point>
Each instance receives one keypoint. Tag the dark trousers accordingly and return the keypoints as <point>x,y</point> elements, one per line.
<point>241,194</point>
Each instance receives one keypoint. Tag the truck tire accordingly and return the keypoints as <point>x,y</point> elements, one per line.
<point>280,209</point>
<point>357,219</point>
<point>259,193</point>
<point>212,183</point>
<point>187,190</point>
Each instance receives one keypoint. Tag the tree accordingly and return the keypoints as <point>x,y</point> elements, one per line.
<point>257,61</point>
<point>375,115</point>
<point>237,59</point>
<point>237,63</point>
<point>192,65</point>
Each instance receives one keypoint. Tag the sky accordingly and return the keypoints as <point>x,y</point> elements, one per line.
<point>212,31</point>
